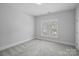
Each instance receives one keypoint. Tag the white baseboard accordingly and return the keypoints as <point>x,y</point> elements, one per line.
<point>17,43</point>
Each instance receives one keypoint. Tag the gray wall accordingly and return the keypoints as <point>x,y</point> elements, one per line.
<point>66,26</point>
<point>77,27</point>
<point>15,26</point>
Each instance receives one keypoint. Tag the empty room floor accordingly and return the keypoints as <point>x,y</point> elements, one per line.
<point>38,47</point>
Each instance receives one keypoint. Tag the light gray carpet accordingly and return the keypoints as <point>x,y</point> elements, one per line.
<point>37,47</point>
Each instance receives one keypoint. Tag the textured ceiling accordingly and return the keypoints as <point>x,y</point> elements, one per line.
<point>44,8</point>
